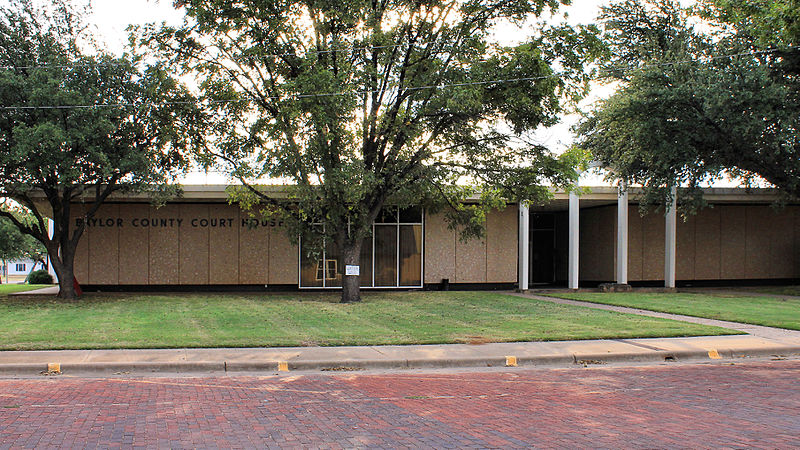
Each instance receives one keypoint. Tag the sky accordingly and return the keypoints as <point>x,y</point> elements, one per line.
<point>112,17</point>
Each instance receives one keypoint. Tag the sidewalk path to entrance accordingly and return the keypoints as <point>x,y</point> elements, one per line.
<point>778,334</point>
<point>757,342</point>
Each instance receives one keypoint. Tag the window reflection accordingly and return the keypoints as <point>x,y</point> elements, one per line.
<point>392,257</point>
<point>365,268</point>
<point>385,255</point>
<point>334,267</point>
<point>311,269</point>
<point>410,255</point>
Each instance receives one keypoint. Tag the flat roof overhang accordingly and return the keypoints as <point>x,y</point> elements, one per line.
<point>592,196</point>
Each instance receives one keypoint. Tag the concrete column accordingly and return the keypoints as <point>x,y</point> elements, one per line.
<point>524,241</point>
<point>574,234</point>
<point>670,246</point>
<point>622,235</point>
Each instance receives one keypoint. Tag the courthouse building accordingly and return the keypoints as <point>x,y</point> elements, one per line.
<point>201,242</point>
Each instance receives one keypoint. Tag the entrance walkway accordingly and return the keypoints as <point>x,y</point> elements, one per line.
<point>777,334</point>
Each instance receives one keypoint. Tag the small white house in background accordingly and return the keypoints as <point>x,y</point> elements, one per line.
<point>21,267</point>
<point>17,267</point>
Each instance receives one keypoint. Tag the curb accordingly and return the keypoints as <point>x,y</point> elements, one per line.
<point>585,359</point>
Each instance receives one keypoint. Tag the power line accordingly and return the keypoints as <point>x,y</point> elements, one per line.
<point>341,49</point>
<point>295,96</point>
<point>363,92</point>
<point>273,55</point>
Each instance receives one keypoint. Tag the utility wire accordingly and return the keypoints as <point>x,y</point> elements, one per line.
<point>296,96</point>
<point>318,52</point>
<point>363,92</point>
<point>273,55</point>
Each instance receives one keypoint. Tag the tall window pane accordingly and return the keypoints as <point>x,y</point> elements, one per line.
<point>312,270</point>
<point>411,215</point>
<point>366,262</point>
<point>410,255</point>
<point>387,215</point>
<point>333,266</point>
<point>385,255</point>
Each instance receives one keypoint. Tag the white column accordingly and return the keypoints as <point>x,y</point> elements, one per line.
<point>622,235</point>
<point>524,240</point>
<point>574,233</point>
<point>670,241</point>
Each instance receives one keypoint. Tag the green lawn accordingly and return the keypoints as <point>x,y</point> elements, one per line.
<point>211,320</point>
<point>778,290</point>
<point>744,307</point>
<point>6,289</point>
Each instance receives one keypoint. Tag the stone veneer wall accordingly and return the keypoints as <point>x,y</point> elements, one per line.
<point>226,253</point>
<point>113,251</point>
<point>490,260</point>
<point>725,242</point>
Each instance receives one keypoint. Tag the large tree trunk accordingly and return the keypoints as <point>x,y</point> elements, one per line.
<point>351,284</point>
<point>64,265</point>
<point>66,283</point>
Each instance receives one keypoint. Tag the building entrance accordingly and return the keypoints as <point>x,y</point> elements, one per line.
<point>542,248</point>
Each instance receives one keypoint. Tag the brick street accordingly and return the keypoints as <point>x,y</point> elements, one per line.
<point>747,404</point>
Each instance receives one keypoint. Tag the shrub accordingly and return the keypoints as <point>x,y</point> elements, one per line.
<point>40,277</point>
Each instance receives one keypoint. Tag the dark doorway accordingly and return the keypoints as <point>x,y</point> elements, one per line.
<point>542,248</point>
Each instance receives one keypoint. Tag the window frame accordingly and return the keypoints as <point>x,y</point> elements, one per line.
<point>397,223</point>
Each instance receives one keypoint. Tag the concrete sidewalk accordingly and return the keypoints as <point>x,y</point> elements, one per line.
<point>557,353</point>
<point>758,342</point>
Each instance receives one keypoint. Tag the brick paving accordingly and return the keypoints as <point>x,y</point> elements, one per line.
<point>748,404</point>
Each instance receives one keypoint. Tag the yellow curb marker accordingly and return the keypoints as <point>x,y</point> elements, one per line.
<point>713,354</point>
<point>54,367</point>
<point>511,361</point>
<point>283,367</point>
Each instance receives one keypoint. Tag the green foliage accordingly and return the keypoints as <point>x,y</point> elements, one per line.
<point>686,112</point>
<point>78,124</point>
<point>39,277</point>
<point>356,105</point>
<point>14,244</point>
<point>771,23</point>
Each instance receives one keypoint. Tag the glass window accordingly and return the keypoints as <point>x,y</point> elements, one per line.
<point>385,255</point>
<point>365,268</point>
<point>312,267</point>
<point>333,266</point>
<point>392,257</point>
<point>411,215</point>
<point>410,255</point>
<point>387,215</point>
<point>20,267</point>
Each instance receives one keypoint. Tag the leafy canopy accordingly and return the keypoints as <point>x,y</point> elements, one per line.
<point>352,105</point>
<point>696,105</point>
<point>77,124</point>
<point>14,244</point>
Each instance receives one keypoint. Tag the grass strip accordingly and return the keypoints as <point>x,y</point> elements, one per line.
<point>105,321</point>
<point>734,307</point>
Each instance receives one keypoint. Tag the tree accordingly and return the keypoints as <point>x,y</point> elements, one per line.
<point>361,104</point>
<point>770,23</point>
<point>77,126</point>
<point>693,106</point>
<point>15,245</point>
